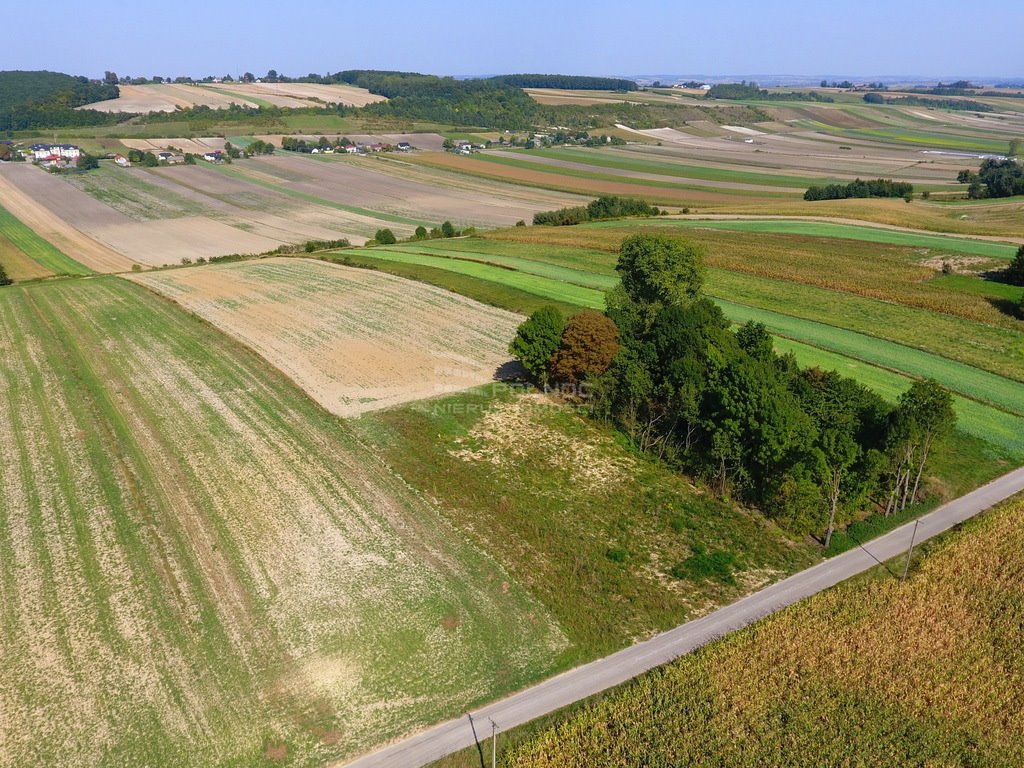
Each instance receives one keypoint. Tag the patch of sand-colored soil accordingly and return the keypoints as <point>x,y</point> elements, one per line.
<point>355,340</point>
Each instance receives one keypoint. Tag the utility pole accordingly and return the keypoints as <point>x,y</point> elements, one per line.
<point>910,553</point>
<point>494,744</point>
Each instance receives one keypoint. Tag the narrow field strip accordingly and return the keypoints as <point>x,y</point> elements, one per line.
<point>36,248</point>
<point>864,233</point>
<point>545,287</point>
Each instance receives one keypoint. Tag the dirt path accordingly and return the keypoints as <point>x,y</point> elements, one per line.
<point>47,225</point>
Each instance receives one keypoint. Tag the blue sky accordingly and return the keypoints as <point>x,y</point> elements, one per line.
<point>937,38</point>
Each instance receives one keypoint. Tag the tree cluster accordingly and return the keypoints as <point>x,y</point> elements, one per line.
<point>554,351</point>
<point>995,178</point>
<point>751,91</point>
<point>606,207</point>
<point>811,448</point>
<point>568,82</point>
<point>859,188</point>
<point>956,105</point>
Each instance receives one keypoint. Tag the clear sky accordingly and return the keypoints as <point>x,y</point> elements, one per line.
<point>933,38</point>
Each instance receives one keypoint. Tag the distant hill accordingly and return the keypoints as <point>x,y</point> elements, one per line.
<point>30,99</point>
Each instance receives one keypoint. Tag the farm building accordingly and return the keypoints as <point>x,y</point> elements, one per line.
<point>213,157</point>
<point>122,161</point>
<point>404,146</point>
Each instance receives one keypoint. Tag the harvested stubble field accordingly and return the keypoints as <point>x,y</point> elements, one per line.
<point>355,340</point>
<point>873,672</point>
<point>199,565</point>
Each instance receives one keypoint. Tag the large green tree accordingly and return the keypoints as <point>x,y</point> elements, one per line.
<point>536,341</point>
<point>1014,272</point>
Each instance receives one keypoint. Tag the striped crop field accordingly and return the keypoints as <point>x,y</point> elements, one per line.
<point>36,248</point>
<point>866,233</point>
<point>199,565</point>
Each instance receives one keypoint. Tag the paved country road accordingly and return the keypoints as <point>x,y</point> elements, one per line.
<point>592,678</point>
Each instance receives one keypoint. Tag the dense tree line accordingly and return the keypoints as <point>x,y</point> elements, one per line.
<point>568,82</point>
<point>963,105</point>
<point>811,448</point>
<point>859,188</point>
<point>995,178</point>
<point>959,88</point>
<point>751,91</point>
<point>606,207</point>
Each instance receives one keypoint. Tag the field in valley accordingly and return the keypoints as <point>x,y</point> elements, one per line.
<point>203,566</point>
<point>921,673</point>
<point>353,339</point>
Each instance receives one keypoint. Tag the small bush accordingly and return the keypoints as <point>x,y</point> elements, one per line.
<point>617,555</point>
<point>703,565</point>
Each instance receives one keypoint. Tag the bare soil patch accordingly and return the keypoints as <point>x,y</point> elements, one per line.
<point>355,340</point>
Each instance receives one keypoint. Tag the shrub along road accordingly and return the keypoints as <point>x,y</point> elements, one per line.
<point>592,678</point>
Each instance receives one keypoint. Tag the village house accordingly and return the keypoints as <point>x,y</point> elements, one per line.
<point>213,157</point>
<point>404,146</point>
<point>122,161</point>
<point>54,152</point>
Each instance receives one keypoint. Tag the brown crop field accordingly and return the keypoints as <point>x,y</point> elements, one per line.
<point>200,566</point>
<point>355,340</point>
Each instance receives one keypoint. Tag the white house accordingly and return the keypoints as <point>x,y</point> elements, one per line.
<point>214,156</point>
<point>61,151</point>
<point>122,161</point>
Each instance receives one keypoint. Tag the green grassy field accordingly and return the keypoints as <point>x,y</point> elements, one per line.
<point>37,249</point>
<point>847,677</point>
<point>589,526</point>
<point>207,568</point>
<point>864,233</point>
<point>883,292</point>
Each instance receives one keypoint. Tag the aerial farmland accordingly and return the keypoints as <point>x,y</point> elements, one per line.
<point>379,418</point>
